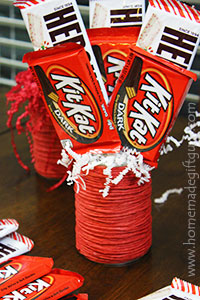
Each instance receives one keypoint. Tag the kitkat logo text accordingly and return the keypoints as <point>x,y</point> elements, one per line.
<point>77,111</point>
<point>8,271</point>
<point>114,61</point>
<point>32,290</point>
<point>142,121</point>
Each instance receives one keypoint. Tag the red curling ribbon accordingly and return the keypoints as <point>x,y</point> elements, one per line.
<point>56,185</point>
<point>116,229</point>
<point>44,144</point>
<point>16,152</point>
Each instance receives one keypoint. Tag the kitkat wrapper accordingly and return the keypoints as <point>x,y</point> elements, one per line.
<point>111,47</point>
<point>13,245</point>
<point>53,22</point>
<point>171,30</point>
<point>73,98</point>
<point>8,226</point>
<point>53,285</point>
<point>146,101</point>
<point>18,271</point>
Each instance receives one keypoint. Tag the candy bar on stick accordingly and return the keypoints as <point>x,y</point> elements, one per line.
<point>8,226</point>
<point>53,22</point>
<point>13,245</point>
<point>73,99</point>
<point>113,47</point>
<point>146,101</point>
<point>178,290</point>
<point>171,30</point>
<point>54,285</point>
<point>111,13</point>
<point>18,271</point>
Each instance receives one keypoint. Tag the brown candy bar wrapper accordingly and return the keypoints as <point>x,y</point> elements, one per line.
<point>111,47</point>
<point>146,101</point>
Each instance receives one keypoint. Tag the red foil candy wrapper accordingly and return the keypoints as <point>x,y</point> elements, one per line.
<point>146,101</point>
<point>73,98</point>
<point>111,47</point>
<point>54,285</point>
<point>18,271</point>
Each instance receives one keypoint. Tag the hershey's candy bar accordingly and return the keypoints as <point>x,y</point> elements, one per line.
<point>171,30</point>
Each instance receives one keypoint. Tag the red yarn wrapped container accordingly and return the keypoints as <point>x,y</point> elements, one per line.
<point>115,229</point>
<point>45,147</point>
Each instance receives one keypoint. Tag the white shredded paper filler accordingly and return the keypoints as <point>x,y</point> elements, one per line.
<point>166,194</point>
<point>130,159</point>
<point>190,135</point>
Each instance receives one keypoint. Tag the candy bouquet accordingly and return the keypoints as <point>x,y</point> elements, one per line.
<point>113,94</point>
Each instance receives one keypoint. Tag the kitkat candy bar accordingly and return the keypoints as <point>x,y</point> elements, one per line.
<point>73,98</point>
<point>111,47</point>
<point>8,226</point>
<point>53,22</point>
<point>13,245</point>
<point>53,285</point>
<point>18,271</point>
<point>171,30</point>
<point>146,101</point>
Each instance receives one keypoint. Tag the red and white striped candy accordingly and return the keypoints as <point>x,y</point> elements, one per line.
<point>21,4</point>
<point>178,8</point>
<point>8,226</point>
<point>185,286</point>
<point>14,244</point>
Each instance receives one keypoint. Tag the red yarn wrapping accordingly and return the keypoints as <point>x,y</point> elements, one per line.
<point>118,228</point>
<point>45,147</point>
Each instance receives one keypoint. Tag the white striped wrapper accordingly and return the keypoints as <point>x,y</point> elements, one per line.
<point>171,30</point>
<point>185,286</point>
<point>8,226</point>
<point>14,244</point>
